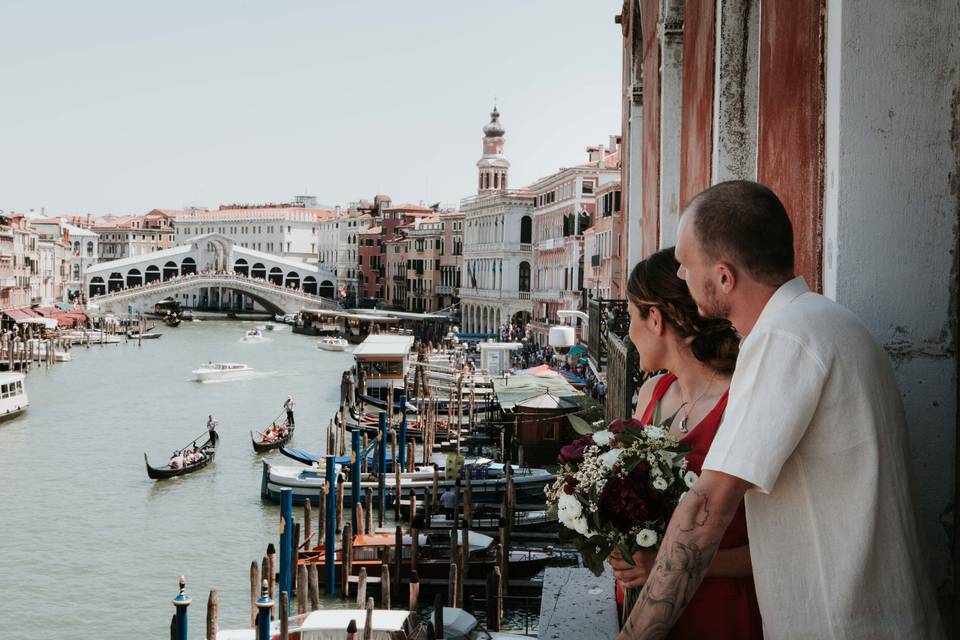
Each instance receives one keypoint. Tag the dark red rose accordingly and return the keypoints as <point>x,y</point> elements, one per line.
<point>573,452</point>
<point>569,484</point>
<point>620,425</point>
<point>626,501</point>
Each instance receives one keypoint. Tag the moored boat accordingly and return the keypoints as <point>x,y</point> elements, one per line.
<point>208,450</point>
<point>217,371</point>
<point>13,395</point>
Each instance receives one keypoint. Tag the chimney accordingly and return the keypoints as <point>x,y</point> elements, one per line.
<point>614,143</point>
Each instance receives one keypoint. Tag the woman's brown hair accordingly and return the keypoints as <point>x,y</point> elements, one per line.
<point>654,283</point>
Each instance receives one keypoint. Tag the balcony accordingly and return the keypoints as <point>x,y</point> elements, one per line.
<point>549,295</point>
<point>605,317</point>
<point>595,260</point>
<point>446,290</point>
<point>550,244</point>
<point>524,295</point>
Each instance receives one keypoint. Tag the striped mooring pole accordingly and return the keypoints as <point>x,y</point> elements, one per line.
<point>264,607</point>
<point>382,459</point>
<point>181,602</point>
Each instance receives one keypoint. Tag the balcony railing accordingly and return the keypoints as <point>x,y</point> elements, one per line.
<point>546,294</point>
<point>524,295</point>
<point>605,317</point>
<point>623,376</point>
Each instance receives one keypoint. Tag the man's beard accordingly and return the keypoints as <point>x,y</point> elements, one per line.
<point>710,306</point>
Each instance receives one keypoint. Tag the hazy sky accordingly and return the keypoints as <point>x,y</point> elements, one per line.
<point>121,106</point>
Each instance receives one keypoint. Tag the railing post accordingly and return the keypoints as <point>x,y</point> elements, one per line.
<point>264,607</point>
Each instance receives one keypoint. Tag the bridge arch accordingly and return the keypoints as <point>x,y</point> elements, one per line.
<point>170,270</point>
<point>326,289</point>
<point>115,282</point>
<point>152,274</point>
<point>134,278</point>
<point>188,266</point>
<point>276,276</point>
<point>310,286</point>
<point>292,280</point>
<point>97,287</point>
<point>240,266</point>
<point>258,271</point>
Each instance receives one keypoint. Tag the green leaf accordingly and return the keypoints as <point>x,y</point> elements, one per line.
<point>625,552</point>
<point>656,413</point>
<point>581,426</point>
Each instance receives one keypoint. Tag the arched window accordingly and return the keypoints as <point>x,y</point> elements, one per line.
<point>326,289</point>
<point>89,248</point>
<point>310,285</point>
<point>115,283</point>
<point>526,230</point>
<point>170,270</point>
<point>152,274</point>
<point>258,271</point>
<point>292,280</point>
<point>523,283</point>
<point>97,287</point>
<point>134,278</point>
<point>276,276</point>
<point>240,267</point>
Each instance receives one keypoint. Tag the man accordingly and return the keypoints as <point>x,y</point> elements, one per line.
<point>448,500</point>
<point>211,424</point>
<point>814,440</point>
<point>288,407</point>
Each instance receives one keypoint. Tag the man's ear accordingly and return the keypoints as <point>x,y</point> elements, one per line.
<point>726,277</point>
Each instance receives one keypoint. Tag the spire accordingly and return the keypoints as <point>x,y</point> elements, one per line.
<point>494,129</point>
<point>492,165</point>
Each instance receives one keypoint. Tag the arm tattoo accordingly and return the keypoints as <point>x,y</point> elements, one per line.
<point>688,549</point>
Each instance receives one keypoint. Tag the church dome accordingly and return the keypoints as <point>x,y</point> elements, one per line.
<point>494,129</point>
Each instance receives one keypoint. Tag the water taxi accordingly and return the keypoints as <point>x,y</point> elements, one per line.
<point>253,335</point>
<point>13,395</point>
<point>332,343</point>
<point>216,371</point>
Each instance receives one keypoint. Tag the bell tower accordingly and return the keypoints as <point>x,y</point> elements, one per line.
<point>492,165</point>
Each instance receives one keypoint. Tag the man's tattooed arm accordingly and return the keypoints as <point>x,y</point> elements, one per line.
<point>688,547</point>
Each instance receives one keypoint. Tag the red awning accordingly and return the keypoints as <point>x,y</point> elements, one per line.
<point>18,314</point>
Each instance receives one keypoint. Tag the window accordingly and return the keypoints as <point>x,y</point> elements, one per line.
<point>550,431</point>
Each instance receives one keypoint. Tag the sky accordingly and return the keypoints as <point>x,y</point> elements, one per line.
<point>123,106</point>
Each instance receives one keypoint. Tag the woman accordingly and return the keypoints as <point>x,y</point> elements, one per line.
<point>699,356</point>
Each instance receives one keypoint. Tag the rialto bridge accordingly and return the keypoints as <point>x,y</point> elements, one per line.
<point>210,271</point>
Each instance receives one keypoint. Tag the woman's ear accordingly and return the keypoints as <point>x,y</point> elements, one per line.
<point>655,320</point>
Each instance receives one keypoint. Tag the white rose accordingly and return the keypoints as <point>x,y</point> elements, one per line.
<point>580,526</point>
<point>602,438</point>
<point>690,478</point>
<point>569,505</point>
<point>610,457</point>
<point>660,483</point>
<point>647,538</point>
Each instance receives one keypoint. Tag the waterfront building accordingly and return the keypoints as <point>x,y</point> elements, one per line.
<point>370,275</point>
<point>602,245</point>
<point>79,252</point>
<point>289,229</point>
<point>451,259</point>
<point>19,280</point>
<point>338,238</point>
<point>53,250</point>
<point>128,236</point>
<point>497,243</point>
<point>565,205</point>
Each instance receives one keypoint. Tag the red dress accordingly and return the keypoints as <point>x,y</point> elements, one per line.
<point>723,608</point>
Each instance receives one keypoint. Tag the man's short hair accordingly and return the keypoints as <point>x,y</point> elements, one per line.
<point>745,223</point>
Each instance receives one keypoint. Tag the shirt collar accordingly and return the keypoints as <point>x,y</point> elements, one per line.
<point>787,293</point>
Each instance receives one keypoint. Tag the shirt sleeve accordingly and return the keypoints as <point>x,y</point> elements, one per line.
<point>773,396</point>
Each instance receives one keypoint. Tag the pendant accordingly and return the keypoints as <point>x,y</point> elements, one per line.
<point>683,424</point>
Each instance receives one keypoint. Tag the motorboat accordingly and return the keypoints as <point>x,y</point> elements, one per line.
<point>13,395</point>
<point>217,371</point>
<point>332,343</point>
<point>253,335</point>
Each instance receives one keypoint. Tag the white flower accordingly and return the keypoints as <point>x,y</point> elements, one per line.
<point>603,438</point>
<point>569,506</point>
<point>647,538</point>
<point>651,458</point>
<point>660,483</point>
<point>682,496</point>
<point>581,526</point>
<point>690,478</point>
<point>656,432</point>
<point>610,457</point>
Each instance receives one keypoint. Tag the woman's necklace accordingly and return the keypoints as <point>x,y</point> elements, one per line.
<point>683,420</point>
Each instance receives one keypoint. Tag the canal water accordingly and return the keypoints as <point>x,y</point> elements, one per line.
<point>90,547</point>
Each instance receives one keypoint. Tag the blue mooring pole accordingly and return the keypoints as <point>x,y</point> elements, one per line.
<point>355,477</point>
<point>330,539</point>
<point>286,538</point>
<point>402,440</point>
<point>382,460</point>
<point>182,601</point>
<point>264,607</point>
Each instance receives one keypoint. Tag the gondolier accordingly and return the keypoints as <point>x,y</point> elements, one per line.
<point>211,424</point>
<point>288,407</point>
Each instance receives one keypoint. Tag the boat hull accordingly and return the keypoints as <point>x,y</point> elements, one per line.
<point>219,376</point>
<point>262,447</point>
<point>161,473</point>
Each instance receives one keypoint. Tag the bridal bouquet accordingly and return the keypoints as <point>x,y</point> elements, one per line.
<point>617,489</point>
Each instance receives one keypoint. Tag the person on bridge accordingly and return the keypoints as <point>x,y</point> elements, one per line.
<point>288,407</point>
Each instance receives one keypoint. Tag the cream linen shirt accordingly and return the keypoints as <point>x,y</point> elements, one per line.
<point>815,422</point>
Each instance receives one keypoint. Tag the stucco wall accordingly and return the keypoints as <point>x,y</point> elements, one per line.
<point>891,205</point>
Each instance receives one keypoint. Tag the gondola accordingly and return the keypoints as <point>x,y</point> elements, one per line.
<point>261,446</point>
<point>209,449</point>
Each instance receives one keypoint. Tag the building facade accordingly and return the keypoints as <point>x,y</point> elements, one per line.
<point>496,276</point>
<point>602,245</point>
<point>129,236</point>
